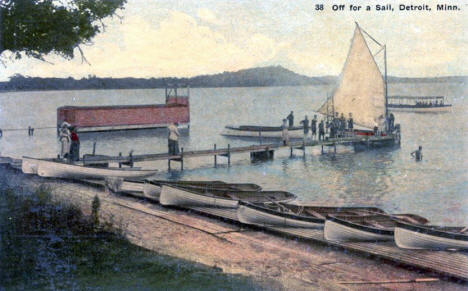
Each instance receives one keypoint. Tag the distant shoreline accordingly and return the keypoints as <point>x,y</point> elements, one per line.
<point>210,87</point>
<point>273,76</point>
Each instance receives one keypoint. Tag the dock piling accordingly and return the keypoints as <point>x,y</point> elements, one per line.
<point>229,154</point>
<point>182,159</point>
<point>215,157</point>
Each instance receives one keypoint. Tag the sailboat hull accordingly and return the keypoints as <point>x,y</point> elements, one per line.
<point>378,142</point>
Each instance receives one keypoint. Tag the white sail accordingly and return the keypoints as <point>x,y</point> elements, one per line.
<point>361,87</point>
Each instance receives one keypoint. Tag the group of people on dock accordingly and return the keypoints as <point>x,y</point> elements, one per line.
<point>336,127</point>
<point>70,143</point>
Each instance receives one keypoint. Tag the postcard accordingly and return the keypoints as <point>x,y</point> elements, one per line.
<point>233,145</point>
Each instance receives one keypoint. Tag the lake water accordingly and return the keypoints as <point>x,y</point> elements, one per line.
<point>435,188</point>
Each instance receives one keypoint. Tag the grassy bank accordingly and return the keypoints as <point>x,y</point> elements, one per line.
<point>45,244</point>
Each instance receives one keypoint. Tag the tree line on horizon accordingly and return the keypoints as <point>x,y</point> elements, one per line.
<point>255,77</point>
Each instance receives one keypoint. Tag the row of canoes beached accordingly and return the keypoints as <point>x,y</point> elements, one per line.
<point>342,224</point>
<point>266,208</point>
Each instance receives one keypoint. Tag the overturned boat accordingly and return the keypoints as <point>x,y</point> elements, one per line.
<point>294,215</point>
<point>411,236</point>
<point>59,169</point>
<point>182,196</point>
<point>376,227</point>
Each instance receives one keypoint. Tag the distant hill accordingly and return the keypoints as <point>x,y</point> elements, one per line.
<point>254,77</point>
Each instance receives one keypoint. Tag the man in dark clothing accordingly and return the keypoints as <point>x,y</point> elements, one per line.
<point>350,122</point>
<point>376,129</point>
<point>305,124</point>
<point>417,154</point>
<point>342,124</point>
<point>290,119</point>
<point>321,130</point>
<point>332,129</point>
<point>75,146</point>
<point>313,126</point>
<point>391,122</point>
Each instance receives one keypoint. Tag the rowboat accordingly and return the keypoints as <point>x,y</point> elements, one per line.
<point>375,227</point>
<point>411,236</point>
<point>261,131</point>
<point>294,215</point>
<point>180,196</point>
<point>57,169</point>
<point>208,185</point>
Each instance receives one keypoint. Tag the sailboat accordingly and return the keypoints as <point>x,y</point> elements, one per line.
<point>361,91</point>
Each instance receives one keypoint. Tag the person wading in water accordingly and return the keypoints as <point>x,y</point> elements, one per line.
<point>417,154</point>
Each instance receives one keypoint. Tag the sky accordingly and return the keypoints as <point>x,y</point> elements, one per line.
<point>187,38</point>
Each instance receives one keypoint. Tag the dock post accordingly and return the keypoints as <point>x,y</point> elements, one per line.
<point>120,163</point>
<point>334,147</point>
<point>130,155</point>
<point>94,148</point>
<point>169,164</point>
<point>182,159</point>
<point>215,157</point>
<point>304,148</point>
<point>291,152</point>
<point>229,155</point>
<point>322,149</point>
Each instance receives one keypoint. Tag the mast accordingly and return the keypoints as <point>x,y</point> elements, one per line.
<point>386,88</point>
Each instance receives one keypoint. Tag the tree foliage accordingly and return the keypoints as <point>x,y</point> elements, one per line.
<point>39,27</point>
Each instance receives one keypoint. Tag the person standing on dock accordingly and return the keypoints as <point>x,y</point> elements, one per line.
<point>173,139</point>
<point>391,122</point>
<point>342,125</point>
<point>350,122</point>
<point>65,141</point>
<point>285,133</point>
<point>321,135</point>
<point>75,146</point>
<point>313,127</point>
<point>417,154</point>
<point>291,119</point>
<point>305,124</point>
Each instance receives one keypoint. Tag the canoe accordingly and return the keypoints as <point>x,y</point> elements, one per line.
<point>180,196</point>
<point>209,185</point>
<point>412,236</point>
<point>138,188</point>
<point>294,215</point>
<point>56,169</point>
<point>262,131</point>
<point>376,227</point>
<point>258,128</point>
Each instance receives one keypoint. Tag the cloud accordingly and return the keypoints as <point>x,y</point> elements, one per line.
<point>208,16</point>
<point>179,46</point>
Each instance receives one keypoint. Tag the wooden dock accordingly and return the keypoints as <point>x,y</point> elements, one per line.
<point>256,151</point>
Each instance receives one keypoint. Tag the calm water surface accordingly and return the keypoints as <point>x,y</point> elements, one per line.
<point>435,187</point>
